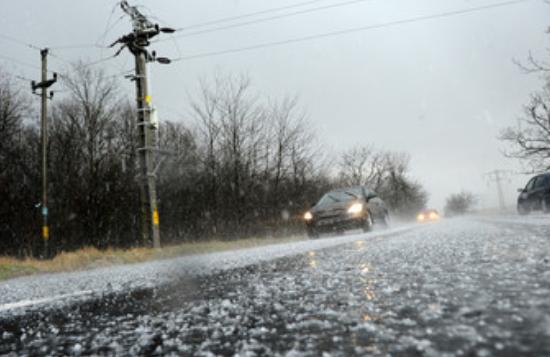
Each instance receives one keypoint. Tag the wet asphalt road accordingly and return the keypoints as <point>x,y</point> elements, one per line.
<point>466,287</point>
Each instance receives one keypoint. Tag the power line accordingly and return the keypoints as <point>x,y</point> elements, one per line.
<point>83,65</point>
<point>266,19</point>
<point>63,74</point>
<point>38,48</point>
<point>19,62</point>
<point>34,47</point>
<point>60,73</point>
<point>250,14</point>
<point>78,46</point>
<point>53,55</point>
<point>21,78</point>
<point>108,27</point>
<point>20,42</point>
<point>101,60</point>
<point>351,30</point>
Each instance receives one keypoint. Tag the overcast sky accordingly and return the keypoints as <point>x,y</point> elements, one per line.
<point>440,89</point>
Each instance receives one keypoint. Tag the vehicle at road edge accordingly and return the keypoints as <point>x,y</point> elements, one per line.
<point>535,195</point>
<point>346,208</point>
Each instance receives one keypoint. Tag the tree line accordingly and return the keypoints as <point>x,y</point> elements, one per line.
<point>238,165</point>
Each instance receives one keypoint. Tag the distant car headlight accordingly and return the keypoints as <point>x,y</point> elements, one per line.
<point>355,208</point>
<point>434,215</point>
<point>420,217</point>
<point>308,216</point>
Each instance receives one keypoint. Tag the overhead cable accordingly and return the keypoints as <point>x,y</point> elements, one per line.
<point>351,30</point>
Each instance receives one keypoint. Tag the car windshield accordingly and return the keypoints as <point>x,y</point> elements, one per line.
<point>337,197</point>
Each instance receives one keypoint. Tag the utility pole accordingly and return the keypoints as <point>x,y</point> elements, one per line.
<point>137,42</point>
<point>44,84</point>
<point>497,177</point>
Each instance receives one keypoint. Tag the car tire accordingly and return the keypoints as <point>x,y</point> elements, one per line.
<point>367,226</point>
<point>522,210</point>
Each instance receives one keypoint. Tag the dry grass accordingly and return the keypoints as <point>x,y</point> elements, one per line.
<point>88,258</point>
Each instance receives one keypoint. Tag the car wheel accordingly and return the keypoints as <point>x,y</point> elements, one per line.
<point>545,205</point>
<point>522,210</point>
<point>367,226</point>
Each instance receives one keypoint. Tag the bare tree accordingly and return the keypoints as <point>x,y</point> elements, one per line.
<point>386,173</point>
<point>362,165</point>
<point>530,138</point>
<point>92,160</point>
<point>257,156</point>
<point>19,174</point>
<point>179,178</point>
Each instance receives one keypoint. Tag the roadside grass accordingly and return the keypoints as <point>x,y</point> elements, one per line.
<point>89,258</point>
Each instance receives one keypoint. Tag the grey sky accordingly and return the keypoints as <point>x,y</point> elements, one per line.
<point>438,89</point>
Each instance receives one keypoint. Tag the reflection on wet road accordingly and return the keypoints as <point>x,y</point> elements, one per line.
<point>457,287</point>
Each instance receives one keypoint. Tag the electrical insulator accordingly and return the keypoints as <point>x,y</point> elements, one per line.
<point>154,119</point>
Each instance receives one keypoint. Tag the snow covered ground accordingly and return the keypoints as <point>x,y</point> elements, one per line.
<point>20,294</point>
<point>466,286</point>
<point>533,219</point>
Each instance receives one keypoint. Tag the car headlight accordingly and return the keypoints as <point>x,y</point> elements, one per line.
<point>308,216</point>
<point>356,208</point>
<point>434,215</point>
<point>420,217</point>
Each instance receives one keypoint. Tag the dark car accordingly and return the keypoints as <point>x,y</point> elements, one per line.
<point>535,195</point>
<point>346,208</point>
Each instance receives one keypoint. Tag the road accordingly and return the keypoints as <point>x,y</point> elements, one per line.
<point>467,287</point>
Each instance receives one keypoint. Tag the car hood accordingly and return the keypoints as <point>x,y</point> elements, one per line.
<point>332,208</point>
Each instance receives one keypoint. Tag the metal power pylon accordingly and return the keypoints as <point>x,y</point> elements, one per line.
<point>497,176</point>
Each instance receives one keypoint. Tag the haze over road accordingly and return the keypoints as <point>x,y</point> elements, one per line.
<point>472,286</point>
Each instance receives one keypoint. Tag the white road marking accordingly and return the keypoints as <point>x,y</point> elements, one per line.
<point>48,300</point>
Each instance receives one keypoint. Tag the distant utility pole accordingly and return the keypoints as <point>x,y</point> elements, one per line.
<point>497,176</point>
<point>137,42</point>
<point>44,84</point>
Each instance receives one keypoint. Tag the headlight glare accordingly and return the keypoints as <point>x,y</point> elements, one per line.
<point>308,216</point>
<point>356,208</point>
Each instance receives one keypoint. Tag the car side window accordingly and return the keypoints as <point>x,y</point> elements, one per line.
<point>530,184</point>
<point>540,182</point>
<point>369,195</point>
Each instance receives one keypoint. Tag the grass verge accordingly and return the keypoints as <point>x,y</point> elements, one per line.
<point>89,258</point>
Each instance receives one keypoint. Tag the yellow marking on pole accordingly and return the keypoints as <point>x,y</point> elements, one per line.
<point>148,99</point>
<point>45,232</point>
<point>156,217</point>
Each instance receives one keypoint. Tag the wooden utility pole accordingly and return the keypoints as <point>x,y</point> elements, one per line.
<point>149,207</point>
<point>137,42</point>
<point>44,84</point>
